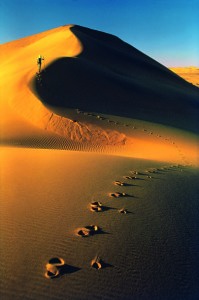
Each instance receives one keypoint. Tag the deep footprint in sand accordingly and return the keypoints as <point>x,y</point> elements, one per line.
<point>52,272</point>
<point>84,232</point>
<point>117,195</point>
<point>53,266</point>
<point>130,177</point>
<point>134,172</point>
<point>123,211</point>
<point>96,206</point>
<point>88,230</point>
<point>96,263</point>
<point>120,183</point>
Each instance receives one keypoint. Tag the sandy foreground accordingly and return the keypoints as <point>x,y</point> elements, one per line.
<point>149,253</point>
<point>116,112</point>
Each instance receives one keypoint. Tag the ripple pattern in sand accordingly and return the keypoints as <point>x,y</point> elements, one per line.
<point>141,248</point>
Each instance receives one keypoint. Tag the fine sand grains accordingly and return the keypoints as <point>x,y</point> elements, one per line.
<point>97,206</point>
<point>143,228</point>
<point>143,238</point>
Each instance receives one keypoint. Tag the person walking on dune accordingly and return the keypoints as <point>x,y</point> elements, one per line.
<point>39,59</point>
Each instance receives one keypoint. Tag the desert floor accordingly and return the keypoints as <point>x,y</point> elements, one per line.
<point>64,146</point>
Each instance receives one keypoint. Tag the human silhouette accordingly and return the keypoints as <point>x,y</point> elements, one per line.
<point>39,60</point>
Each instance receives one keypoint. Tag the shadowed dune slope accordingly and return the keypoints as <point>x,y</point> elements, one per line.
<point>109,76</point>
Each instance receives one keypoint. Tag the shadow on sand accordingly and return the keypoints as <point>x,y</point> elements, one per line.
<point>130,83</point>
<point>68,269</point>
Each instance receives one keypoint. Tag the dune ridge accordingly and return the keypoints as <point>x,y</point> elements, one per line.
<point>91,92</point>
<point>142,201</point>
<point>54,43</point>
<point>115,78</point>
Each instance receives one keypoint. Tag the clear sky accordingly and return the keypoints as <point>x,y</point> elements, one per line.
<point>166,30</point>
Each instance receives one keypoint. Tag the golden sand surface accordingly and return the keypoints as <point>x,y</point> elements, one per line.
<point>55,113</point>
<point>190,74</point>
<point>18,65</point>
<point>148,253</point>
<point>122,117</point>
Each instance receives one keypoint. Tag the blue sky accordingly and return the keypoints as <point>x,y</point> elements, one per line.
<point>166,30</point>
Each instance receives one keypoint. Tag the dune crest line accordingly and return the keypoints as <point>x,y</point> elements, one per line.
<point>55,43</point>
<point>91,90</point>
<point>111,77</point>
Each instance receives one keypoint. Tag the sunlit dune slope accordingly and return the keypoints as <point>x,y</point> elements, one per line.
<point>107,80</point>
<point>21,112</point>
<point>18,67</point>
<point>109,76</point>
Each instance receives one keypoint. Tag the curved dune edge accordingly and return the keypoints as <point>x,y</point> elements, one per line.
<point>18,67</point>
<point>54,44</point>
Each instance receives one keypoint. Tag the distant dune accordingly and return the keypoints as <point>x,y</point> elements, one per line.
<point>190,74</point>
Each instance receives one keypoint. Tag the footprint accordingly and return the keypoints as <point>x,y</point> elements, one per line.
<point>53,266</point>
<point>117,195</point>
<point>84,232</point>
<point>134,172</point>
<point>96,263</point>
<point>130,177</point>
<point>123,211</point>
<point>52,272</point>
<point>56,261</point>
<point>88,230</point>
<point>120,183</point>
<point>96,206</point>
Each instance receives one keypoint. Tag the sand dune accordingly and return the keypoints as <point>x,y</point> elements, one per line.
<point>17,68</point>
<point>115,78</point>
<point>94,92</point>
<point>130,213</point>
<point>190,74</point>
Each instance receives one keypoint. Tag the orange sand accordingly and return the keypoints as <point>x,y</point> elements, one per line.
<point>148,252</point>
<point>190,74</point>
<point>107,98</point>
<point>26,121</point>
